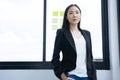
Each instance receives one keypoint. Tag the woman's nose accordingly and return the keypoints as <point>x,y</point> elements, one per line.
<point>74,14</point>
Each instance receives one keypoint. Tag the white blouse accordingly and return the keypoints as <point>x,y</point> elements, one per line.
<point>80,69</point>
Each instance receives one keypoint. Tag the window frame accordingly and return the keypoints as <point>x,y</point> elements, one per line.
<point>104,65</point>
<point>118,14</point>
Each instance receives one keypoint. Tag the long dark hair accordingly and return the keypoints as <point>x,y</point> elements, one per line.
<point>66,24</point>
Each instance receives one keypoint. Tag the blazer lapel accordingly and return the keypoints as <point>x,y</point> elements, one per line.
<point>69,37</point>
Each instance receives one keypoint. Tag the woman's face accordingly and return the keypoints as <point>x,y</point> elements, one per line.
<point>73,15</point>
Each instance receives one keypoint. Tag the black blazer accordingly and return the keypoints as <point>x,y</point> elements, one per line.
<point>64,42</point>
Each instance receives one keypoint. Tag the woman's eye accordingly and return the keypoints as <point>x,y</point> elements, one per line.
<point>77,12</point>
<point>70,13</point>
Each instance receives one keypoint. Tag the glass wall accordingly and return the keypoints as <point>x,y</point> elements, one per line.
<point>21,30</point>
<point>90,20</point>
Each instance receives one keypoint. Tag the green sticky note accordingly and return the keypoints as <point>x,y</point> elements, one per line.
<point>55,13</point>
<point>61,13</point>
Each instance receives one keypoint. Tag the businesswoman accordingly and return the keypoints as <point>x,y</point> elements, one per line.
<point>75,44</point>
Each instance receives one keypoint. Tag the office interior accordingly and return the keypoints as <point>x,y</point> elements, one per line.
<point>110,73</point>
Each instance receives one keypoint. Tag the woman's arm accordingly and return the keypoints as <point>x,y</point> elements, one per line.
<point>56,55</point>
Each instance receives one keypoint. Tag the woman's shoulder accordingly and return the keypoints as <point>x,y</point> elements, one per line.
<point>59,31</point>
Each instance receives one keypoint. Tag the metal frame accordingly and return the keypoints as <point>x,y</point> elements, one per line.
<point>118,13</point>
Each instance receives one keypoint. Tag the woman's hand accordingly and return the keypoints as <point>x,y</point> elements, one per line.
<point>64,77</point>
<point>69,78</point>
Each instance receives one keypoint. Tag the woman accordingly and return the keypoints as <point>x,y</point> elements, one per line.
<point>75,44</point>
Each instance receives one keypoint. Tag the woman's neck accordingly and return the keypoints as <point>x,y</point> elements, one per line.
<point>75,32</point>
<point>73,28</point>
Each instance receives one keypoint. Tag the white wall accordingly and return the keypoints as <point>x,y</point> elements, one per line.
<point>113,40</point>
<point>112,74</point>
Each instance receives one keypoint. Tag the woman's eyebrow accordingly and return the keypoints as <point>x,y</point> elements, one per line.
<point>73,10</point>
<point>70,11</point>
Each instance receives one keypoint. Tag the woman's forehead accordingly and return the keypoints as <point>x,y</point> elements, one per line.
<point>73,8</point>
